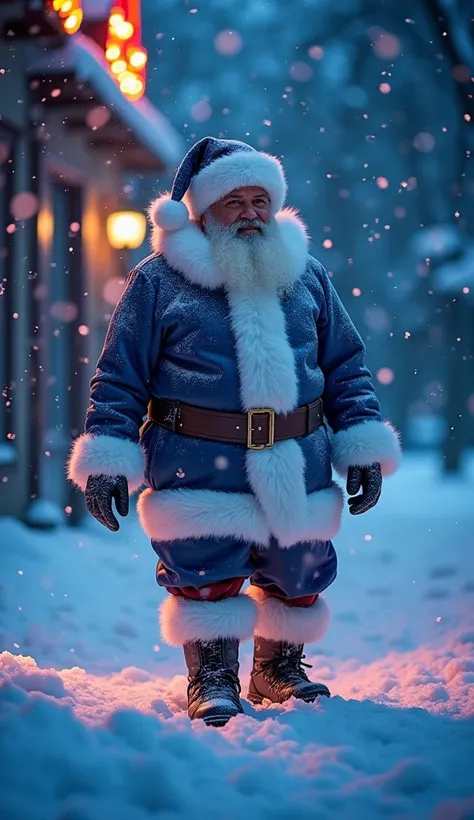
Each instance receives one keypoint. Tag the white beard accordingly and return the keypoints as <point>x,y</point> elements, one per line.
<point>250,263</point>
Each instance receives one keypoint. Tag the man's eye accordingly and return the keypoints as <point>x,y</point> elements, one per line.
<point>261,203</point>
<point>232,203</point>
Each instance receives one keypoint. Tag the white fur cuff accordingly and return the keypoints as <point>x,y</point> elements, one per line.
<point>365,444</point>
<point>278,621</point>
<point>182,620</point>
<point>94,455</point>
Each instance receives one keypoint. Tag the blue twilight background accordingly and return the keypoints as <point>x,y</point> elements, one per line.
<point>370,106</point>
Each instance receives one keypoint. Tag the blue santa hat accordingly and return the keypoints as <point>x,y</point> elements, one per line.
<point>211,169</point>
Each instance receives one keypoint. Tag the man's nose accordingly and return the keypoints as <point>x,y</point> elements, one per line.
<point>249,212</point>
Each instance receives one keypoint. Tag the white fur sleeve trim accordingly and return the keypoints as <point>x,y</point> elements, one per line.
<point>278,621</point>
<point>93,455</point>
<point>182,620</point>
<point>364,444</point>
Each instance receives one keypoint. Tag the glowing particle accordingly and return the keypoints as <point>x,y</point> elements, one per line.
<point>327,243</point>
<point>24,206</point>
<point>201,111</point>
<point>385,375</point>
<point>228,43</point>
<point>385,88</point>
<point>301,72</point>
<point>221,462</point>
<point>424,142</point>
<point>356,291</point>
<point>382,182</point>
<point>316,52</point>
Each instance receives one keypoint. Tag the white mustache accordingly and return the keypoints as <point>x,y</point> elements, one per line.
<point>248,223</point>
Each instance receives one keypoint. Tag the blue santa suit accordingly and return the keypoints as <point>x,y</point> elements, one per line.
<point>217,511</point>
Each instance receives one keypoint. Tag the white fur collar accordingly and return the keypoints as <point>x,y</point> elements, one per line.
<point>189,251</point>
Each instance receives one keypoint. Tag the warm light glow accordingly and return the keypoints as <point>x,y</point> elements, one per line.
<point>124,51</point>
<point>45,227</point>
<point>117,16</point>
<point>113,52</point>
<point>131,85</point>
<point>70,12</point>
<point>65,8</point>
<point>118,66</point>
<point>123,30</point>
<point>137,57</point>
<point>73,22</point>
<point>126,229</point>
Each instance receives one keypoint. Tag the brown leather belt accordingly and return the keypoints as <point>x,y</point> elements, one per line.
<point>257,429</point>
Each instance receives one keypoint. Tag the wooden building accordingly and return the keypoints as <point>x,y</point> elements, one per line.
<point>69,140</point>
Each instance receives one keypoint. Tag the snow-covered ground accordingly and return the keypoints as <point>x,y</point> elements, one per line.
<point>92,707</point>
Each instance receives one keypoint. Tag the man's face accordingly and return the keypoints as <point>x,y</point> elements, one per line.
<point>248,204</point>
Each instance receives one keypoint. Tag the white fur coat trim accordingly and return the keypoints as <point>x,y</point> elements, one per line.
<point>268,379</point>
<point>238,170</point>
<point>364,444</point>
<point>278,621</point>
<point>189,250</point>
<point>183,620</point>
<point>93,455</point>
<point>168,515</point>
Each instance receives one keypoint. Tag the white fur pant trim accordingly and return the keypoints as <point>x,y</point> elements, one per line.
<point>279,622</point>
<point>183,620</point>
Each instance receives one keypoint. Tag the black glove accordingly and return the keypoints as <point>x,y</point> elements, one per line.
<point>100,490</point>
<point>370,478</point>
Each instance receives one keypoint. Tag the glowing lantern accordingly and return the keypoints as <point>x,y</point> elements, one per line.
<point>126,229</point>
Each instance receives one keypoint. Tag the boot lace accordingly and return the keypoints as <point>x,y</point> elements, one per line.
<point>213,684</point>
<point>286,670</point>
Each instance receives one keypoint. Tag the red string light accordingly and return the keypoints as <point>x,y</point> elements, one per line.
<point>124,51</point>
<point>70,12</point>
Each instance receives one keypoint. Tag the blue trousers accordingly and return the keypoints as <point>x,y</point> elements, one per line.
<point>304,569</point>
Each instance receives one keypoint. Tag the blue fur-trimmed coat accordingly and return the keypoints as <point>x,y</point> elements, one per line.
<point>176,333</point>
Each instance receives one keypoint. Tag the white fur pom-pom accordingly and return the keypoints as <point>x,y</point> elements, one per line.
<point>169,214</point>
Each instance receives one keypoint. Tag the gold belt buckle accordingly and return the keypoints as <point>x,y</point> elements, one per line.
<point>271,427</point>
